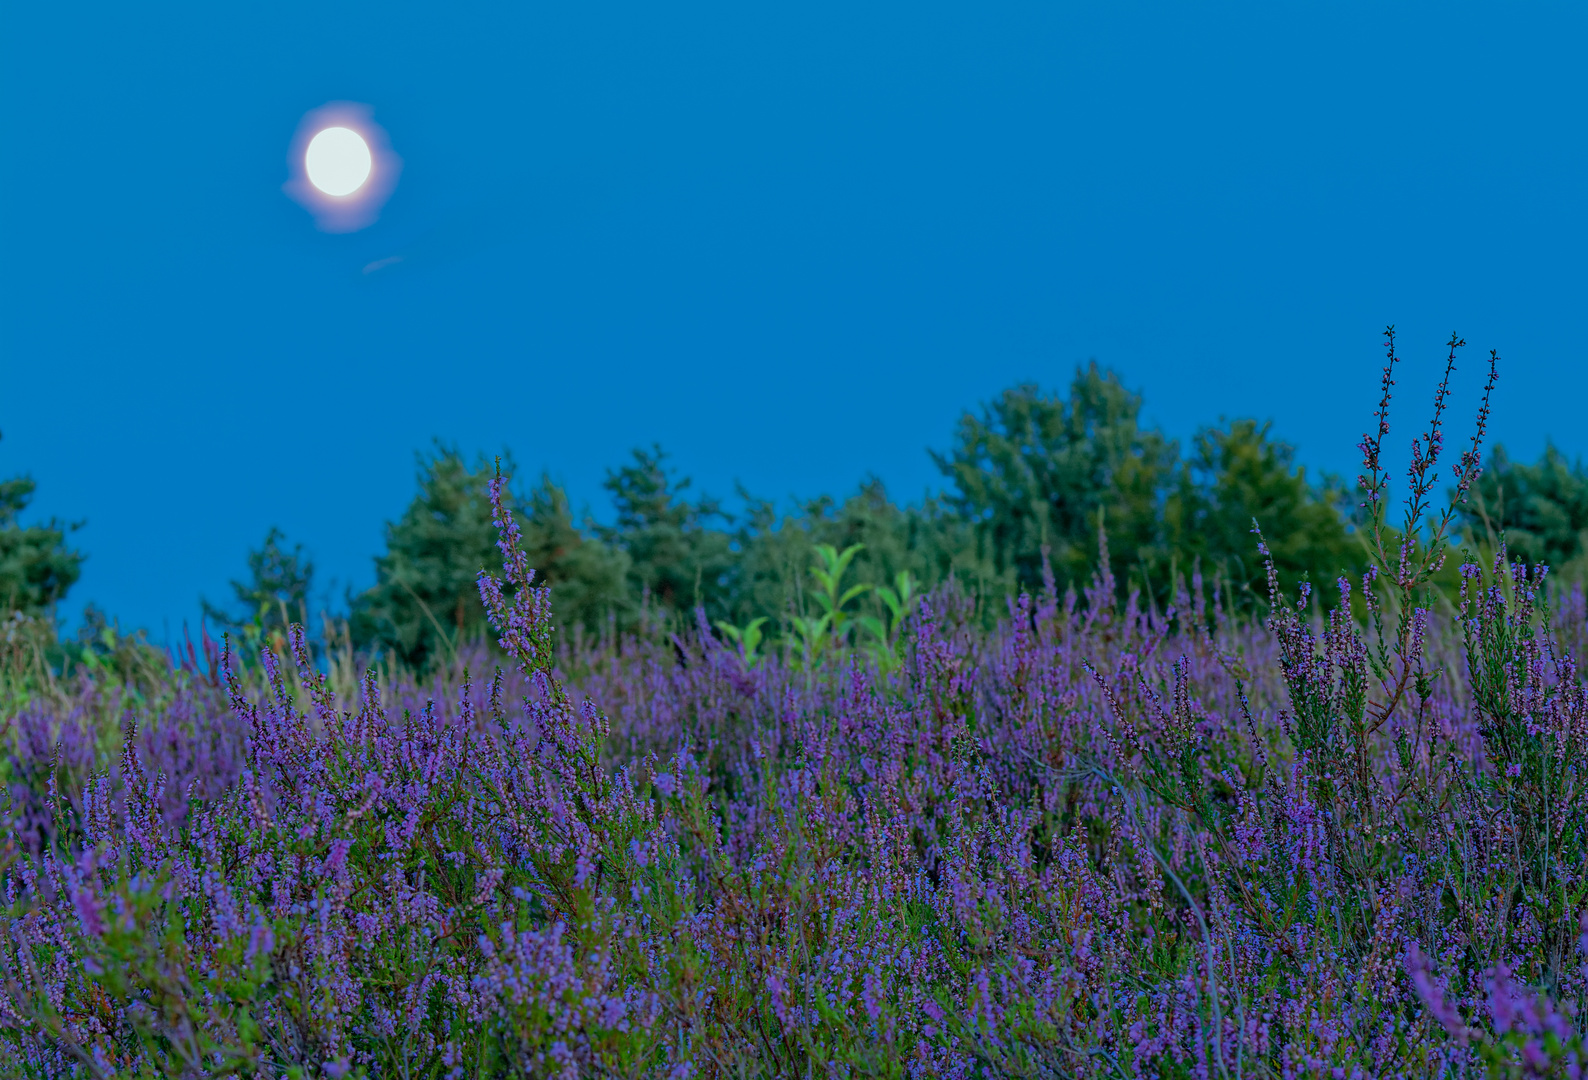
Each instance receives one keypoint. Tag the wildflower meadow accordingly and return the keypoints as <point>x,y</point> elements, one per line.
<point>1088,825</point>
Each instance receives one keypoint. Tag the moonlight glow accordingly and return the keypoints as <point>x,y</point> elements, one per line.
<point>341,167</point>
<point>337,161</point>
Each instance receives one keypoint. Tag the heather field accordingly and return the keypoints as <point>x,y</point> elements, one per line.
<point>1102,830</point>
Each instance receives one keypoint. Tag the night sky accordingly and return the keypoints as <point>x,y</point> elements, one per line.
<point>791,243</point>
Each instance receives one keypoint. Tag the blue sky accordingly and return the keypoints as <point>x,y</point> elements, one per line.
<point>791,243</point>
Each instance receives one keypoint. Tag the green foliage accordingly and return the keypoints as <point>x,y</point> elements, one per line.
<point>820,633</point>
<point>27,648</point>
<point>38,666</point>
<point>424,602</point>
<point>276,592</point>
<point>113,656</point>
<point>746,637</point>
<point>1037,470</point>
<point>1033,471</point>
<point>673,552</point>
<point>588,579</point>
<point>1541,509</point>
<point>772,555</point>
<point>1238,474</point>
<point>886,640</point>
<point>36,565</point>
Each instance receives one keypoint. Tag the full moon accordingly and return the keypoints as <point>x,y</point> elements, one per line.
<point>338,161</point>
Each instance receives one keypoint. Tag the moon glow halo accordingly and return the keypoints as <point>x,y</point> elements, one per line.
<point>340,167</point>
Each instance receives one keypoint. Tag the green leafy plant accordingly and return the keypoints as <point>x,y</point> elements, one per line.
<point>747,637</point>
<point>831,628</point>
<point>900,599</point>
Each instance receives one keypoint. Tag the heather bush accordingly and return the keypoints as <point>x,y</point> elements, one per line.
<point>1084,834</point>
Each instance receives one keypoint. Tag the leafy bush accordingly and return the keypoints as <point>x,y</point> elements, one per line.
<point>772,555</point>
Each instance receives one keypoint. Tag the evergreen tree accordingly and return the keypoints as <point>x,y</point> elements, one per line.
<point>674,552</point>
<point>425,602</point>
<point>1542,509</point>
<point>36,565</point>
<point>1037,469</point>
<point>588,578</point>
<point>276,592</point>
<point>1238,473</point>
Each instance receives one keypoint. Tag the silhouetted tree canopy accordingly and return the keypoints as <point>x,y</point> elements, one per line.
<point>276,592</point>
<point>37,567</point>
<point>1542,508</point>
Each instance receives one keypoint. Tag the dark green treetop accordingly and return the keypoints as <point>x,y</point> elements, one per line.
<point>425,602</point>
<point>1542,508</point>
<point>1038,469</point>
<point>1238,473</point>
<point>37,566</point>
<point>276,592</point>
<point>675,550</point>
<point>588,578</point>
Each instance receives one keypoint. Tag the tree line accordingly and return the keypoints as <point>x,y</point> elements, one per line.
<point>1030,481</point>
